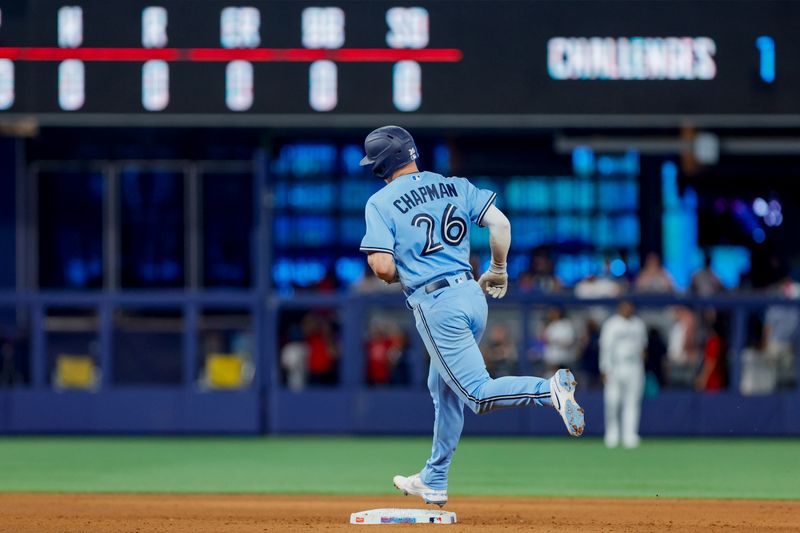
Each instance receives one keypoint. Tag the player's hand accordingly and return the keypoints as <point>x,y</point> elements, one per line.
<point>395,279</point>
<point>494,281</point>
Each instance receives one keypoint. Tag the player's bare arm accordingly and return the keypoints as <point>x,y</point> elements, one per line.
<point>495,281</point>
<point>383,265</point>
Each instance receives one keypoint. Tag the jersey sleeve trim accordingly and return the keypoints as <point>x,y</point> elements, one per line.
<point>485,208</point>
<point>369,249</point>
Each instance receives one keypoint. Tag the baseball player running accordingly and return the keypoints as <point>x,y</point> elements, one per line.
<point>418,235</point>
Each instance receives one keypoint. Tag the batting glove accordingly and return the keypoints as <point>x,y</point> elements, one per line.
<point>494,281</point>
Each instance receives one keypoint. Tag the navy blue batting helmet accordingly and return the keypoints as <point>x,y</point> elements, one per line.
<point>388,148</point>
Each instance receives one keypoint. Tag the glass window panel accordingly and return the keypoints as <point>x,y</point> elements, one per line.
<point>351,155</point>
<point>312,196</point>
<point>15,342</point>
<point>351,231</point>
<point>531,231</point>
<point>225,349</point>
<point>148,347</point>
<point>515,194</point>
<point>304,160</point>
<point>564,191</point>
<point>354,194</point>
<point>619,195</point>
<point>583,230</point>
<point>288,272</point>
<point>71,229</point>
<point>305,196</point>
<point>304,231</point>
<point>608,198</point>
<point>630,194</point>
<point>441,159</point>
<point>72,348</point>
<point>603,235</point>
<point>478,238</point>
<point>572,268</point>
<point>227,212</point>
<point>152,228</point>
<point>541,194</point>
<point>351,269</point>
<point>528,193</point>
<point>584,195</point>
<point>627,230</point>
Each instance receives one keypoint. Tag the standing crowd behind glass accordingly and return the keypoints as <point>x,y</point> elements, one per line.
<point>687,348</point>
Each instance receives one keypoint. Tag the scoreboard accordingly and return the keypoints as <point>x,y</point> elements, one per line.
<point>470,63</point>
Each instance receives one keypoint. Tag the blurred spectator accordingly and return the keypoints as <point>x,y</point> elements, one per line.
<point>590,355</point>
<point>401,371</point>
<point>623,341</point>
<point>682,348</point>
<point>781,330</point>
<point>499,352</point>
<point>705,282</point>
<point>627,279</point>
<point>656,355</point>
<point>384,350</point>
<point>713,374</point>
<point>759,373</point>
<point>654,278</point>
<point>540,277</point>
<point>294,360</point>
<point>560,340</point>
<point>322,350</point>
<point>597,287</point>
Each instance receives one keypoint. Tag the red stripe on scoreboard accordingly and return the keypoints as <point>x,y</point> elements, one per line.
<point>256,55</point>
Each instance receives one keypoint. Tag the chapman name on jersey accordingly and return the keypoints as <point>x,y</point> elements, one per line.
<point>424,194</point>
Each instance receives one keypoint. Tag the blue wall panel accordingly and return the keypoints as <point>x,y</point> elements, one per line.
<point>670,413</point>
<point>129,411</point>
<point>332,411</point>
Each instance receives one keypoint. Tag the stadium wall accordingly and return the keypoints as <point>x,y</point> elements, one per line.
<point>350,407</point>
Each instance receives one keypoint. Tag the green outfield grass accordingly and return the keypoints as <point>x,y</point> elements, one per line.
<point>707,468</point>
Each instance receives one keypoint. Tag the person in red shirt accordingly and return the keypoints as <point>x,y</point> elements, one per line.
<point>712,374</point>
<point>322,352</point>
<point>384,349</point>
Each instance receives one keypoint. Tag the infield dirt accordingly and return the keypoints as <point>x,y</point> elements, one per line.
<point>140,513</point>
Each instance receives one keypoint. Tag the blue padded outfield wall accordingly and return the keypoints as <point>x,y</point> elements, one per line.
<point>350,407</point>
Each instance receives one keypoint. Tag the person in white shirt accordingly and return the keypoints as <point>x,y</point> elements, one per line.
<point>597,287</point>
<point>560,338</point>
<point>623,344</point>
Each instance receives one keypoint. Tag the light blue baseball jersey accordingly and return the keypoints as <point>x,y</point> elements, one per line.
<point>424,220</point>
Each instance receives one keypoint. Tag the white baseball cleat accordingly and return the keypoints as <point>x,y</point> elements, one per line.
<point>415,486</point>
<point>562,394</point>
